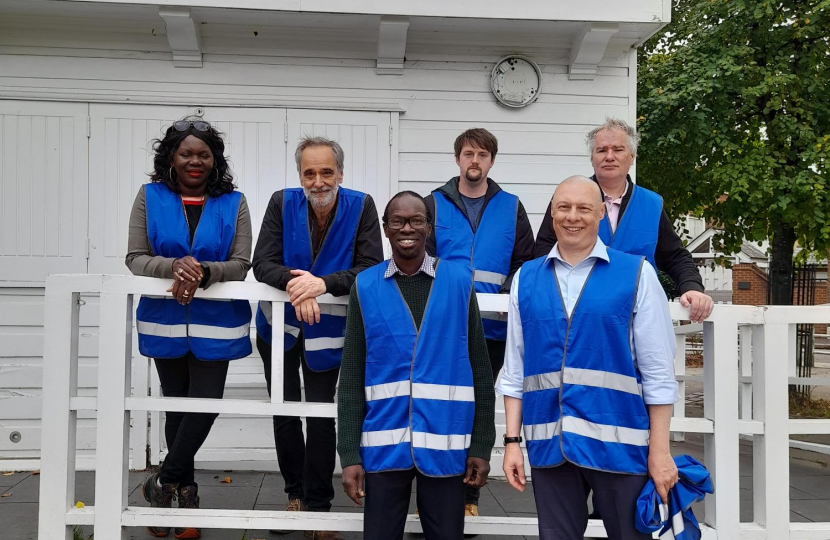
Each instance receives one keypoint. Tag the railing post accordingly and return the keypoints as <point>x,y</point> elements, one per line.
<point>59,422</point>
<point>771,451</point>
<point>112,452</point>
<point>746,370</point>
<point>720,385</point>
<point>277,352</point>
<point>679,410</point>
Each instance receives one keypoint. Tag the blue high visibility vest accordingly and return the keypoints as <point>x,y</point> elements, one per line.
<point>582,399</point>
<point>323,341</point>
<point>420,401</point>
<point>638,228</point>
<point>488,250</point>
<point>211,329</point>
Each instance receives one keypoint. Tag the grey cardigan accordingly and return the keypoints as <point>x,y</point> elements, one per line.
<point>143,262</point>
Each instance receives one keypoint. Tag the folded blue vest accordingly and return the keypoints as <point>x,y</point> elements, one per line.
<point>678,522</point>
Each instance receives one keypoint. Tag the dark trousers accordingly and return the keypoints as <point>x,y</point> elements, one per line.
<point>440,505</point>
<point>561,494</point>
<point>306,467</point>
<point>185,433</point>
<point>495,349</point>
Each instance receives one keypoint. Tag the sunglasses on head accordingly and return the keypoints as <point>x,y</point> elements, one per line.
<point>184,125</point>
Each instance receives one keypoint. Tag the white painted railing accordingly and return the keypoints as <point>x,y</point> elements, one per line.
<point>769,424</point>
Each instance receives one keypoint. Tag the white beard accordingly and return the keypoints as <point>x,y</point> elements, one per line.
<point>320,199</point>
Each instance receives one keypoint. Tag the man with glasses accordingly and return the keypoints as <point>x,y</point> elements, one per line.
<point>416,397</point>
<point>479,224</point>
<point>314,240</point>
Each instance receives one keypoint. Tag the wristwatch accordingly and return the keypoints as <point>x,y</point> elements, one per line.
<point>508,440</point>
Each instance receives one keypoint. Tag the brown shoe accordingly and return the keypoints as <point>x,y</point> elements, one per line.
<point>470,510</point>
<point>323,535</point>
<point>158,497</point>
<point>294,505</point>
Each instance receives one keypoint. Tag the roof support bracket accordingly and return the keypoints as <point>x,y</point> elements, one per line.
<point>588,49</point>
<point>392,44</point>
<point>183,36</point>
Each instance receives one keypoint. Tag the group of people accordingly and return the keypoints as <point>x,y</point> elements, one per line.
<point>412,358</point>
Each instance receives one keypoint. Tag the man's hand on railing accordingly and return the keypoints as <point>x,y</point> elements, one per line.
<point>700,305</point>
<point>514,466</point>
<point>353,483</point>
<point>308,311</point>
<point>306,285</point>
<point>183,291</point>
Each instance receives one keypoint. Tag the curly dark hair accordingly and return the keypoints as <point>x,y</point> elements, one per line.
<point>220,180</point>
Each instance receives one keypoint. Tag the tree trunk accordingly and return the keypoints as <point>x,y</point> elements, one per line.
<point>781,266</point>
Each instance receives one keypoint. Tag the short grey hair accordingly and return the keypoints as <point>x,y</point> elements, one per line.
<point>311,142</point>
<point>615,123</point>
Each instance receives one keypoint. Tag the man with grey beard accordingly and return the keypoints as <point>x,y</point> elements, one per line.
<point>314,240</point>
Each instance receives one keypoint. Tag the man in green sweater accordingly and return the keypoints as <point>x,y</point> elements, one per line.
<point>415,399</point>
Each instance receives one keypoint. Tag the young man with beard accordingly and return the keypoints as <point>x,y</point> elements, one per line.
<point>314,240</point>
<point>479,224</point>
<point>416,396</point>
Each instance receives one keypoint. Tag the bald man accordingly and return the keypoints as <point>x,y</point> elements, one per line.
<point>595,413</point>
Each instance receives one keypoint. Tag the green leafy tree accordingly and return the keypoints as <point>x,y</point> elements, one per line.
<point>734,105</point>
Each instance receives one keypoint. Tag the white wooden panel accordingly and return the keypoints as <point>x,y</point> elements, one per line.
<point>121,155</point>
<point>43,189</point>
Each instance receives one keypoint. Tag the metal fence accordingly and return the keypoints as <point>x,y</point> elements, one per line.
<point>763,416</point>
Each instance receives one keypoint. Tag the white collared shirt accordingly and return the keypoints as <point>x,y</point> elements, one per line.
<point>652,333</point>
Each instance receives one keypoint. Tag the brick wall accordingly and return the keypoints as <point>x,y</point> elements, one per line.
<point>749,285</point>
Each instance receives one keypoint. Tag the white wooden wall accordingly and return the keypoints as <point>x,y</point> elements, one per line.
<point>398,132</point>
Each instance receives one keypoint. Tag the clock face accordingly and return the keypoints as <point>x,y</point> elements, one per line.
<point>516,81</point>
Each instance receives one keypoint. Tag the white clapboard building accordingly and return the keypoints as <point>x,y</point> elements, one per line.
<point>86,85</point>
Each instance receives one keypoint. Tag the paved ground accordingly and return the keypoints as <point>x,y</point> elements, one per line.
<point>809,497</point>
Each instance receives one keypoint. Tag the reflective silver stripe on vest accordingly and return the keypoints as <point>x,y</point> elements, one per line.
<point>387,390</point>
<point>542,432</point>
<point>162,330</point>
<point>322,343</point>
<point>444,392</point>
<point>386,437</point>
<point>483,276</point>
<point>601,379</point>
<point>433,441</point>
<point>494,316</point>
<point>293,330</point>
<point>542,381</point>
<point>266,310</point>
<point>605,432</point>
<point>218,332</point>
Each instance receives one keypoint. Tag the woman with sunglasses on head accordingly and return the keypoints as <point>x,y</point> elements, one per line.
<point>189,225</point>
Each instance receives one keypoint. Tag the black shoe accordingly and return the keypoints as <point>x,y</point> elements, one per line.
<point>158,497</point>
<point>188,498</point>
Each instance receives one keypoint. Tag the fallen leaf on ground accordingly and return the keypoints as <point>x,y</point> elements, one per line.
<point>79,504</point>
<point>226,480</point>
<point>9,494</point>
<point>35,473</point>
<point>8,473</point>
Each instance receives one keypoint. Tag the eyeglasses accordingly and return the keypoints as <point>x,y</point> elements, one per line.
<point>184,125</point>
<point>416,222</point>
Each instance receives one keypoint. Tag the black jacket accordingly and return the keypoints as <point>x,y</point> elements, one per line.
<point>523,246</point>
<point>670,255</point>
<point>268,263</point>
